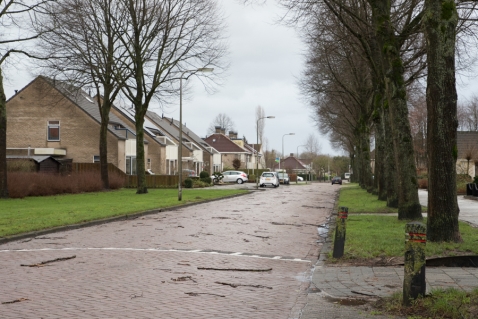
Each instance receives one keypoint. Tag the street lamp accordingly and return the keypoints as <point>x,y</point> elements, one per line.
<point>283,146</point>
<point>180,148</point>
<point>257,151</point>
<point>297,179</point>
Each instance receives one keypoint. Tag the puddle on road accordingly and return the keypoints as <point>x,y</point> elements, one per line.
<point>323,231</point>
<point>346,301</point>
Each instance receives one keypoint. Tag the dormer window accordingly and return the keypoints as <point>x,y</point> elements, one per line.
<point>53,130</point>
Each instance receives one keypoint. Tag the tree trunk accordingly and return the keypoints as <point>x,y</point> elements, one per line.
<point>408,203</point>
<point>391,186</point>
<point>140,166</point>
<point>105,111</point>
<point>3,141</point>
<point>440,21</point>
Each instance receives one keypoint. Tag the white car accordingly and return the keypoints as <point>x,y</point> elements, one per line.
<point>300,179</point>
<point>233,177</point>
<point>269,178</point>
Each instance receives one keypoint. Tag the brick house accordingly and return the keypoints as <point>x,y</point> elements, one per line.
<point>197,154</point>
<point>49,117</point>
<point>228,150</point>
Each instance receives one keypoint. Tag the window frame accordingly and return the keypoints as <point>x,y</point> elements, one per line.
<point>51,126</point>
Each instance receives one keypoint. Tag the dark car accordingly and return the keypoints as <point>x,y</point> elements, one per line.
<point>337,180</point>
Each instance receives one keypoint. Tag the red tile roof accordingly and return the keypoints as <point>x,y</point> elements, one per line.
<point>223,144</point>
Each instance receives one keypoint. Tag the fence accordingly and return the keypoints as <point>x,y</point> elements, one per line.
<point>95,167</point>
<point>131,181</point>
<point>154,181</point>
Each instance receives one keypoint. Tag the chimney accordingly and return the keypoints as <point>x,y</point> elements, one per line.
<point>223,130</point>
<point>291,154</point>
<point>232,135</point>
<point>218,129</point>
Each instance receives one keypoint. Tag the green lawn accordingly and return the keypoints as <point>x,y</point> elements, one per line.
<point>36,213</point>
<point>371,234</point>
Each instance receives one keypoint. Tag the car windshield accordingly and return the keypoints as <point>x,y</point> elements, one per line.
<point>267,174</point>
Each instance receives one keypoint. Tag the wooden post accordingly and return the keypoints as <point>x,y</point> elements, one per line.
<point>339,241</point>
<point>414,280</point>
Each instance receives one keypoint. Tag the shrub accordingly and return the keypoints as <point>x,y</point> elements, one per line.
<point>252,178</point>
<point>207,180</point>
<point>423,183</point>
<point>203,174</point>
<point>188,183</point>
<point>200,184</point>
<point>236,163</point>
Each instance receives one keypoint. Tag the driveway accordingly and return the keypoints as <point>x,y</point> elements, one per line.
<point>468,207</point>
<point>245,257</point>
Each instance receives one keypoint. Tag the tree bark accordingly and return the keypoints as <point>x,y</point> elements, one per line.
<point>408,203</point>
<point>3,141</point>
<point>105,115</point>
<point>140,166</point>
<point>440,21</point>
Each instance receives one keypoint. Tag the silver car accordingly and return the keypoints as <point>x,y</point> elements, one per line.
<point>234,177</point>
<point>269,178</point>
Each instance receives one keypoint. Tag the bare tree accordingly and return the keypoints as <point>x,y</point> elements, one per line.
<point>16,18</point>
<point>84,48</point>
<point>162,40</point>
<point>312,147</point>
<point>468,115</point>
<point>223,121</point>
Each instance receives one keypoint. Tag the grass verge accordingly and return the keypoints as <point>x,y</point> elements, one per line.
<point>376,239</point>
<point>450,303</point>
<point>37,213</point>
<point>371,235</point>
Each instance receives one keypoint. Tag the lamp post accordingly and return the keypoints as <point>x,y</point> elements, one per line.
<point>283,145</point>
<point>180,147</point>
<point>257,151</point>
<point>297,179</point>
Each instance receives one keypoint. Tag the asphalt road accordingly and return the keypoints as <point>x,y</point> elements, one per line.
<point>245,257</point>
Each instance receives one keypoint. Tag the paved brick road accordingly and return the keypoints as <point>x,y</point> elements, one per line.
<point>150,267</point>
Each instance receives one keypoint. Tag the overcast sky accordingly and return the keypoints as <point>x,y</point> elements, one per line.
<point>266,62</point>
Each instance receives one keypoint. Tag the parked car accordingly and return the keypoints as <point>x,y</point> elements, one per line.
<point>347,176</point>
<point>269,178</point>
<point>300,179</point>
<point>189,172</point>
<point>337,180</point>
<point>284,178</point>
<point>233,177</point>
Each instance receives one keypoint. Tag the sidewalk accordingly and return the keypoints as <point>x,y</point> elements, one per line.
<point>342,292</point>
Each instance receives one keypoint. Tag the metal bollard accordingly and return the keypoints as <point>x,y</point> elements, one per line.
<point>414,280</point>
<point>339,241</point>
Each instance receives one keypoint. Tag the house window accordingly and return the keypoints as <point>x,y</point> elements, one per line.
<point>53,130</point>
<point>131,165</point>
<point>96,158</point>
<point>149,163</point>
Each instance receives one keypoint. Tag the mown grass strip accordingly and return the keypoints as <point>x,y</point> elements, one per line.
<point>371,234</point>
<point>359,201</point>
<point>37,213</point>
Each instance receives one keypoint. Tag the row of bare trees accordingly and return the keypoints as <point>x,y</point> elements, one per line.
<point>136,50</point>
<point>365,61</point>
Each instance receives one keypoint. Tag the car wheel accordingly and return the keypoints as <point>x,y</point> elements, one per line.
<point>240,181</point>
<point>216,181</point>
